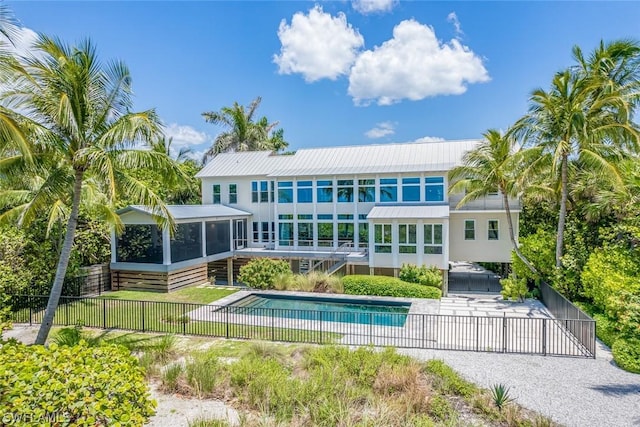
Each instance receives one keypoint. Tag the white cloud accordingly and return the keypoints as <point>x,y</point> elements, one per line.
<point>414,65</point>
<point>373,6</point>
<point>380,130</point>
<point>183,136</point>
<point>453,18</point>
<point>317,45</point>
<point>23,40</point>
<point>429,139</point>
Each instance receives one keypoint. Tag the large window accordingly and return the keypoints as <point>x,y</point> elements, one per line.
<point>256,231</point>
<point>433,239</point>
<point>186,242</point>
<point>363,230</point>
<point>345,228</point>
<point>140,243</point>
<point>493,229</point>
<point>305,230</point>
<point>285,230</point>
<point>233,194</point>
<point>434,189</point>
<point>260,191</point>
<point>218,237</point>
<point>469,229</point>
<point>410,189</point>
<point>216,194</point>
<point>325,230</point>
<point>285,192</point>
<point>383,240</point>
<point>388,190</point>
<point>265,231</point>
<point>367,190</point>
<point>407,238</point>
<point>305,192</point>
<point>345,190</point>
<point>324,191</point>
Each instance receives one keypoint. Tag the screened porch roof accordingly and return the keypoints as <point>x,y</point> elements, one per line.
<point>409,212</point>
<point>181,212</point>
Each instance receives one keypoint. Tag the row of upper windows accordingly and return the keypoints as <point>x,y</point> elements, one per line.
<point>407,238</point>
<point>342,191</point>
<point>364,190</point>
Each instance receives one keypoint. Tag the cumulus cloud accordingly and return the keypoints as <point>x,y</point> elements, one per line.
<point>186,137</point>
<point>429,139</point>
<point>453,18</point>
<point>414,65</point>
<point>23,40</point>
<point>373,6</point>
<point>381,129</point>
<point>317,45</point>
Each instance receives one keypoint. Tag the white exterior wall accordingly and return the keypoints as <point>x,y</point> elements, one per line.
<point>454,245</point>
<point>481,249</point>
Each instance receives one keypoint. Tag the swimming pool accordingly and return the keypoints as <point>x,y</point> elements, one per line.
<point>345,310</point>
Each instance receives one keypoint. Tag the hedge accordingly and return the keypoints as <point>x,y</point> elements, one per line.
<point>79,385</point>
<point>387,286</point>
<point>626,353</point>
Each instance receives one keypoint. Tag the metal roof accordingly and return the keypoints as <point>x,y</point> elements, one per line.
<point>190,211</point>
<point>246,163</point>
<point>409,212</point>
<point>357,159</point>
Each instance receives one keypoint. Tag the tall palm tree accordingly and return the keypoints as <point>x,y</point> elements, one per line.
<point>494,165</point>
<point>586,115</point>
<point>243,133</point>
<point>84,144</point>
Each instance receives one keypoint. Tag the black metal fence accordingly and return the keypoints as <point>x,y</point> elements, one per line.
<point>527,335</point>
<point>569,316</point>
<point>90,284</point>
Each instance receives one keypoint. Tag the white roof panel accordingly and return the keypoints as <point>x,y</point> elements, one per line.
<point>358,159</point>
<point>409,212</point>
<point>191,211</point>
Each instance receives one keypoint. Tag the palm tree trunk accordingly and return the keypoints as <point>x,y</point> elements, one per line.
<point>562,217</point>
<point>63,262</point>
<point>512,236</point>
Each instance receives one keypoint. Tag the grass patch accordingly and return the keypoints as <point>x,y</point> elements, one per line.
<point>271,384</point>
<point>196,295</point>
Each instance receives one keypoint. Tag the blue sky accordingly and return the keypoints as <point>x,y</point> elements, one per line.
<point>342,72</point>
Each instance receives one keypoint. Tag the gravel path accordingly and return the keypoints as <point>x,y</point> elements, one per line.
<point>573,392</point>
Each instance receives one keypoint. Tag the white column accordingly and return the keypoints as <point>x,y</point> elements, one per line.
<point>445,243</point>
<point>166,246</point>
<point>420,242</point>
<point>395,238</point>
<point>204,239</point>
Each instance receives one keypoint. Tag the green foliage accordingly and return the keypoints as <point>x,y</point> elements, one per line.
<point>261,273</point>
<point>209,422</point>
<point>171,376</point>
<point>79,385</point>
<point>427,276</point>
<point>626,353</point>
<point>514,289</point>
<point>500,396</point>
<point>539,249</point>
<point>387,286</point>
<point>204,374</point>
<point>449,381</point>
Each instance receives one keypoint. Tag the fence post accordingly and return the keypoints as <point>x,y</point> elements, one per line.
<point>544,337</point>
<point>370,328</point>
<point>226,309</point>
<point>504,333</point>
<point>66,314</point>
<point>477,334</point>
<point>273,330</point>
<point>184,319</point>
<point>320,315</point>
<point>30,302</point>
<point>104,314</point>
<point>142,315</point>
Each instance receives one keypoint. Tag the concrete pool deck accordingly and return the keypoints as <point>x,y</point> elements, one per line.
<point>472,323</point>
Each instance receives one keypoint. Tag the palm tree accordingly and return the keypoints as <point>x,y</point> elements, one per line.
<point>494,165</point>
<point>84,139</point>
<point>243,133</point>
<point>586,117</point>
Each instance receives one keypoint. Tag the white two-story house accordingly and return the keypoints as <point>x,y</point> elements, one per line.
<point>365,209</point>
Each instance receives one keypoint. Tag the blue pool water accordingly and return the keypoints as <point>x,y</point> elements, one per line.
<point>346,310</point>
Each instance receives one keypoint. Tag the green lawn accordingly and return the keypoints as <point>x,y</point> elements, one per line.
<point>196,295</point>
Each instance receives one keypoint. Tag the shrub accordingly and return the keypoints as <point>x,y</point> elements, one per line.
<point>514,289</point>
<point>626,353</point>
<point>387,286</point>
<point>449,381</point>
<point>79,385</point>
<point>427,276</point>
<point>261,273</point>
